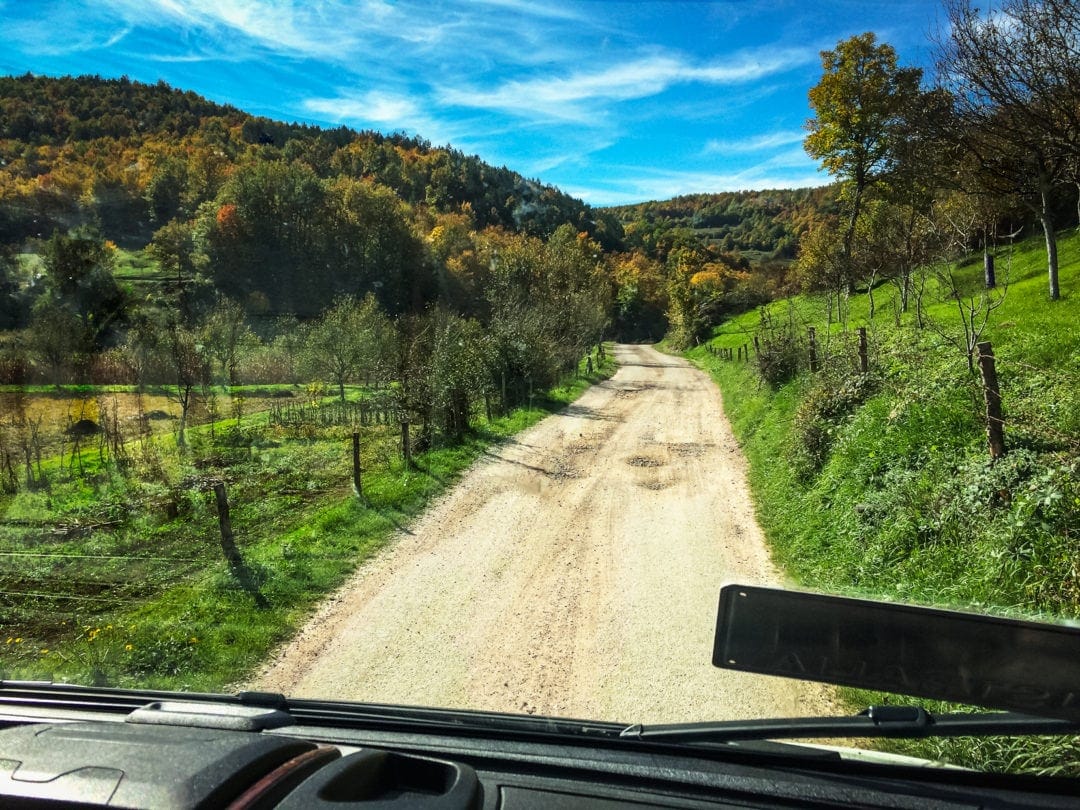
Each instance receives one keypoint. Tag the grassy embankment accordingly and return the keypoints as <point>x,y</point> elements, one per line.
<point>122,578</point>
<point>881,485</point>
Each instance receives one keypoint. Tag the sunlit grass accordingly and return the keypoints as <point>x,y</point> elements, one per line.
<point>905,503</point>
<point>155,604</point>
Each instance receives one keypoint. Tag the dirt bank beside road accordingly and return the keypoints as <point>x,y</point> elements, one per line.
<point>572,572</point>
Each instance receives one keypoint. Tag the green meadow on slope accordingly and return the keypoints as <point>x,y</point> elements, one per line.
<point>119,575</point>
<point>881,484</point>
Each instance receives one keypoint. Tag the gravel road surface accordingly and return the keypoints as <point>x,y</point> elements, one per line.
<point>572,572</point>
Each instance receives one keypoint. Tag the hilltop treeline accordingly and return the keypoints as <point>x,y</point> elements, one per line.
<point>148,235</point>
<point>762,225</point>
<point>131,156</point>
<point>124,204</point>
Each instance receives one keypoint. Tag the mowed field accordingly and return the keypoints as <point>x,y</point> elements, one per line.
<point>51,414</point>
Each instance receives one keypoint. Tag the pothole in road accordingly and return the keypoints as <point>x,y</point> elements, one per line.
<point>644,461</point>
<point>688,449</point>
<point>655,486</point>
<point>581,447</point>
<point>561,471</point>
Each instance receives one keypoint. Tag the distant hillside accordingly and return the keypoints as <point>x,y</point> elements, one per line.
<point>758,225</point>
<point>128,157</point>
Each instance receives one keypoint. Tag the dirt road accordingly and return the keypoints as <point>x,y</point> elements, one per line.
<point>574,572</point>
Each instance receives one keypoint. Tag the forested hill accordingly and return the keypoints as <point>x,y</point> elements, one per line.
<point>761,226</point>
<point>181,201</point>
<point>130,157</point>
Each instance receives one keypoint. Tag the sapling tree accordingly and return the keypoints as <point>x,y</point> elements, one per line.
<point>352,337</point>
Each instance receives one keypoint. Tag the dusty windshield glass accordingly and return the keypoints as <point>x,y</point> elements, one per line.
<point>456,355</point>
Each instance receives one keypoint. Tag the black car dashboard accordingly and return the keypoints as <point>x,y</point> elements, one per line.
<point>66,749</point>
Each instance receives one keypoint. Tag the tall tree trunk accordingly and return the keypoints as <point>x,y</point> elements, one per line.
<point>1077,184</point>
<point>849,234</point>
<point>870,293</point>
<point>1046,218</point>
<point>181,440</point>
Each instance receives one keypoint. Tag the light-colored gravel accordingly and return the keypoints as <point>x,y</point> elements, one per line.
<point>573,572</point>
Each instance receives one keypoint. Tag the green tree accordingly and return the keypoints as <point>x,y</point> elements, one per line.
<point>860,108</point>
<point>351,338</point>
<point>224,334</point>
<point>173,246</point>
<point>1016,90</point>
<point>456,360</point>
<point>165,190</point>
<point>55,335</point>
<point>176,351</point>
<point>12,304</point>
<point>79,279</point>
<point>264,238</point>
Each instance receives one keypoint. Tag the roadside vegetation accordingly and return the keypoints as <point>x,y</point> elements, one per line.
<point>880,483</point>
<point>135,584</point>
<point>192,298</point>
<point>911,419</point>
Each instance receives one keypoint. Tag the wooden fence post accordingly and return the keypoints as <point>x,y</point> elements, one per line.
<point>406,450</point>
<point>228,541</point>
<point>864,360</point>
<point>813,348</point>
<point>357,484</point>
<point>746,352</point>
<point>757,346</point>
<point>995,422</point>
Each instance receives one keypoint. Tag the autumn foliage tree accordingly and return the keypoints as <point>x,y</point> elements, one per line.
<point>860,107</point>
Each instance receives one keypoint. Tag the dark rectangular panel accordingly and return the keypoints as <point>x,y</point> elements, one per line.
<point>986,661</point>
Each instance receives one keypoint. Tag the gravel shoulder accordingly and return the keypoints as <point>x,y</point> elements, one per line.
<point>573,571</point>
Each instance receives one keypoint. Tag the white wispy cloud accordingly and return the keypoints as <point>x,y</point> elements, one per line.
<point>61,30</point>
<point>327,30</point>
<point>574,97</point>
<point>384,110</point>
<point>754,143</point>
<point>627,184</point>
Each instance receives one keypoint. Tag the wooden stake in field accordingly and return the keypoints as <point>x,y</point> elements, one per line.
<point>406,450</point>
<point>995,420</point>
<point>813,348</point>
<point>864,360</point>
<point>357,484</point>
<point>228,541</point>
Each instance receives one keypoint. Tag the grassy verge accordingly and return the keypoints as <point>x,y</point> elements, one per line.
<point>144,596</point>
<point>880,484</point>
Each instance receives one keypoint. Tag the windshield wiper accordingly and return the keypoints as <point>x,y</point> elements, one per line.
<point>876,721</point>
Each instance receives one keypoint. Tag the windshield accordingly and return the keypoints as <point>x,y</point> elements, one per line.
<point>455,355</point>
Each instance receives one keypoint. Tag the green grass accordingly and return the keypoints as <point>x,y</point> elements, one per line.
<point>150,598</point>
<point>881,485</point>
<point>134,263</point>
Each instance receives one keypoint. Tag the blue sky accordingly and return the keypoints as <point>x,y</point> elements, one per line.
<point>611,101</point>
